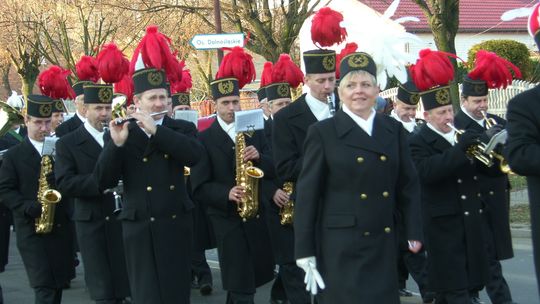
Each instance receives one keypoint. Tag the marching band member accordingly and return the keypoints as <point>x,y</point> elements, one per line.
<point>494,187</point>
<point>523,147</point>
<point>356,171</point>
<point>98,232</point>
<point>245,260</point>
<point>46,257</point>
<point>452,207</point>
<point>149,155</point>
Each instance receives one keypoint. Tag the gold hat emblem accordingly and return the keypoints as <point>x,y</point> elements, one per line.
<point>45,110</point>
<point>105,95</point>
<point>283,90</point>
<point>414,99</point>
<point>358,61</point>
<point>479,88</point>
<point>183,99</point>
<point>442,96</point>
<point>225,87</point>
<point>329,62</point>
<point>155,78</point>
<point>59,106</point>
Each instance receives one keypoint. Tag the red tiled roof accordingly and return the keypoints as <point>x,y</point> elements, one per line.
<point>475,15</point>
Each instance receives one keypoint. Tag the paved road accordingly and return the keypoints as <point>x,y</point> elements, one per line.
<point>518,272</point>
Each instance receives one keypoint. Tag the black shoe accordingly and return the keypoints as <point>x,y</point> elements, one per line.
<point>403,292</point>
<point>206,289</point>
<point>278,301</point>
<point>476,300</point>
<point>429,297</point>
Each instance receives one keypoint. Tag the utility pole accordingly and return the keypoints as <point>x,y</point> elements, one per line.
<point>217,17</point>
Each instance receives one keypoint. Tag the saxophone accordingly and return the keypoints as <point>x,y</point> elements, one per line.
<point>248,177</point>
<point>287,212</point>
<point>47,197</point>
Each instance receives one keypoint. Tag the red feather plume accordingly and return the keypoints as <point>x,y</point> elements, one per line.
<point>326,29</point>
<point>53,82</point>
<point>348,49</point>
<point>174,72</point>
<point>533,25</point>
<point>112,63</point>
<point>494,70</point>
<point>126,87</point>
<point>184,85</point>
<point>237,64</point>
<point>286,71</point>
<point>266,74</point>
<point>86,69</point>
<point>432,69</point>
<point>155,51</point>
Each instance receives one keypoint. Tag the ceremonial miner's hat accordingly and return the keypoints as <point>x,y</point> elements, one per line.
<point>87,73</point>
<point>58,106</point>
<point>180,99</point>
<point>98,94</point>
<point>408,92</point>
<point>319,61</point>
<point>278,90</point>
<point>266,78</point>
<point>358,61</point>
<point>236,70</point>
<point>53,83</point>
<point>39,106</point>
<point>180,89</point>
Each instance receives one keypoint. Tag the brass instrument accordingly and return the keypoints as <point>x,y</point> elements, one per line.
<point>287,212</point>
<point>247,176</point>
<point>490,121</point>
<point>503,163</point>
<point>187,171</point>
<point>47,197</point>
<point>9,116</point>
<point>474,151</point>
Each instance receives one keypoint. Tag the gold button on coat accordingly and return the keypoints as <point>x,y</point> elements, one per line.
<point>145,159</point>
<point>152,219</point>
<point>363,196</point>
<point>359,159</point>
<point>106,218</point>
<point>383,158</point>
<point>491,193</point>
<point>466,213</point>
<point>148,188</point>
<point>171,187</point>
<point>366,233</point>
<point>387,229</point>
<point>166,156</point>
<point>385,194</point>
<point>174,216</point>
<point>479,194</point>
<point>459,181</point>
<point>463,197</point>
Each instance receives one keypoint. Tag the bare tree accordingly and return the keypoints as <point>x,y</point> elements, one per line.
<point>5,68</point>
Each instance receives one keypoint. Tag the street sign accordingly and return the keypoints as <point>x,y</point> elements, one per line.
<point>217,41</point>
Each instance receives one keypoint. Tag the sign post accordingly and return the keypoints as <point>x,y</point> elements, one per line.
<point>217,41</point>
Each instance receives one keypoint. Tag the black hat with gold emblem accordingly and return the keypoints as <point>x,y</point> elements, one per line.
<point>39,106</point>
<point>436,97</point>
<point>408,92</point>
<point>180,99</point>
<point>473,87</point>
<point>224,87</point>
<point>58,106</point>
<point>98,93</point>
<point>148,79</point>
<point>357,61</point>
<point>278,90</point>
<point>319,61</point>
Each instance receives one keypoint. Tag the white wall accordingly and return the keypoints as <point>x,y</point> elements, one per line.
<point>465,41</point>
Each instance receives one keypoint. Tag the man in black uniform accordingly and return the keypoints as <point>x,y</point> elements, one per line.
<point>453,211</point>
<point>494,189</point>
<point>244,258</point>
<point>79,117</point>
<point>45,256</point>
<point>99,233</point>
<point>523,147</point>
<point>149,155</point>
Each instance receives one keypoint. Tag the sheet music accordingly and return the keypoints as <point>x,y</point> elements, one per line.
<point>49,146</point>
<point>187,115</point>
<point>249,120</point>
<point>69,105</point>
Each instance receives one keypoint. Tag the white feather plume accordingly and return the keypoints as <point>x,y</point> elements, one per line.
<point>516,13</point>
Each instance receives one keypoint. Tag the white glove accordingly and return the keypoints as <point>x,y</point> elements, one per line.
<point>313,277</point>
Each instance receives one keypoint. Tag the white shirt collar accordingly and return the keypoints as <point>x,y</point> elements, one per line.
<point>37,144</point>
<point>409,126</point>
<point>80,116</point>
<point>98,136</point>
<point>480,122</point>
<point>450,136</point>
<point>365,124</point>
<point>228,128</point>
<point>318,108</point>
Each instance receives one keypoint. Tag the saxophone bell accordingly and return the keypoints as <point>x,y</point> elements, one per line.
<point>247,176</point>
<point>47,197</point>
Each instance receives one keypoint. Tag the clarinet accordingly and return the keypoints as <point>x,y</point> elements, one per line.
<point>330,103</point>
<point>117,192</point>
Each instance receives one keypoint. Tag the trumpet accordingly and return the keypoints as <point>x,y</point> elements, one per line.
<point>494,141</point>
<point>476,150</point>
<point>490,121</point>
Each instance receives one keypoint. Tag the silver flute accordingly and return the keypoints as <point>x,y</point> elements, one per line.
<point>119,121</point>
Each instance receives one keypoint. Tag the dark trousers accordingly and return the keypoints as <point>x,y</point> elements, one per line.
<point>534,204</point>
<point>453,297</point>
<point>199,267</point>
<point>114,301</point>
<point>278,290</point>
<point>240,298</point>
<point>293,282</point>
<point>46,295</point>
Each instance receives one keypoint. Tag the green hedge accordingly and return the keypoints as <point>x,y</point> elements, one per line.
<point>514,51</point>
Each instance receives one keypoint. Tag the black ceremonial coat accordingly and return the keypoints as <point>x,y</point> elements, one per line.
<point>281,236</point>
<point>523,149</point>
<point>68,126</point>
<point>99,233</point>
<point>289,132</point>
<point>157,222</point>
<point>48,257</point>
<point>453,213</point>
<point>348,191</point>
<point>494,188</point>
<point>238,242</point>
